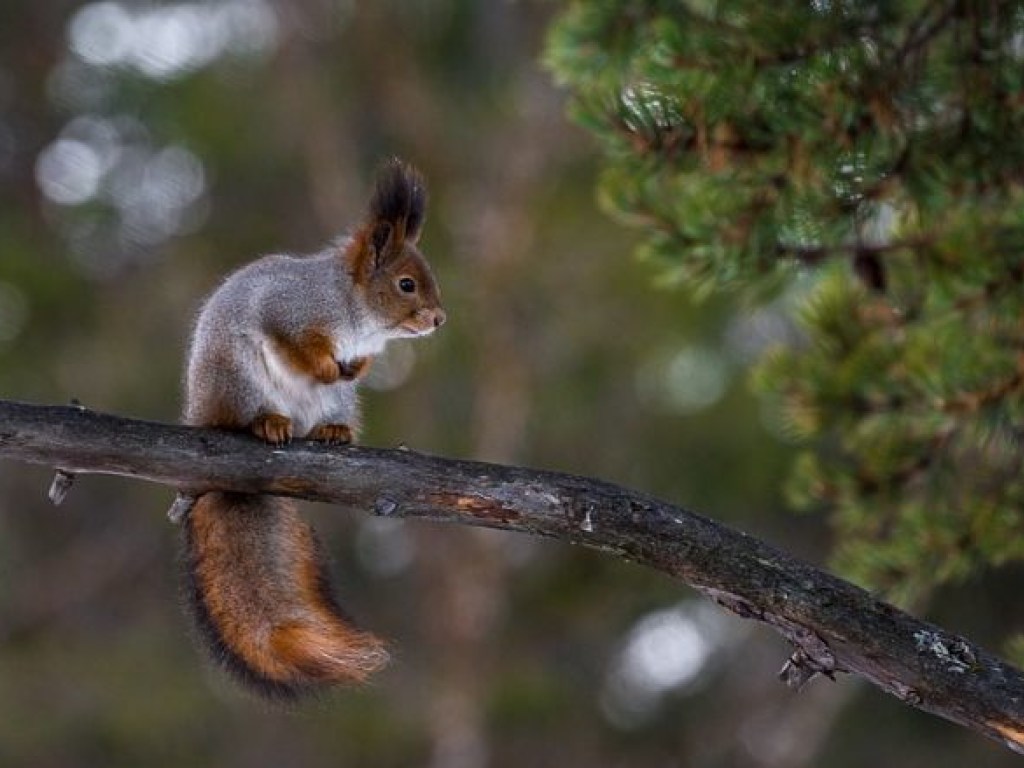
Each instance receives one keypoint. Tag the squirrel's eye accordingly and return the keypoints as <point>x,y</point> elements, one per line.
<point>407,285</point>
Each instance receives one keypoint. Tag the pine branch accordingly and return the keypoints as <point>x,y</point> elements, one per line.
<point>834,625</point>
<point>920,31</point>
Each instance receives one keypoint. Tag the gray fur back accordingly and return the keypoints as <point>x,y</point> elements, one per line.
<point>232,361</point>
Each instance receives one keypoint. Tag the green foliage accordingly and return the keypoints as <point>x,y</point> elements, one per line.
<point>877,143</point>
<point>1015,650</point>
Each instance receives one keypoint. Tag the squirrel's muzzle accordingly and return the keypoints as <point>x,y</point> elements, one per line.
<point>424,321</point>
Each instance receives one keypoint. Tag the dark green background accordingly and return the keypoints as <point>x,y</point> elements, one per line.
<point>561,351</point>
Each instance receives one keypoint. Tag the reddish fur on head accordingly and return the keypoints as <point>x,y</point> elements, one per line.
<point>382,257</point>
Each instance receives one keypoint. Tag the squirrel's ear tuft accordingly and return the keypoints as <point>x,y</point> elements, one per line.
<point>397,210</point>
<point>399,199</point>
<point>381,237</point>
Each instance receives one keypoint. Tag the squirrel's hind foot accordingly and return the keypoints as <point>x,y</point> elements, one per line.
<point>332,434</point>
<point>273,428</point>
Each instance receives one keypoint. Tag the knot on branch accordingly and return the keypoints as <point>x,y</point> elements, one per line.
<point>812,655</point>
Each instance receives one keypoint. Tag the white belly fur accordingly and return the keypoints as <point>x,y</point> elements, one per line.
<point>299,397</point>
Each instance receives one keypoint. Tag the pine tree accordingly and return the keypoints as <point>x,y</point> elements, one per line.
<point>876,148</point>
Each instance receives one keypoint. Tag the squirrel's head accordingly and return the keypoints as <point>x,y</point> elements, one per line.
<point>383,259</point>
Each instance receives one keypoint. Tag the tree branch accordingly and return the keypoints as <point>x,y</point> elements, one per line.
<point>834,625</point>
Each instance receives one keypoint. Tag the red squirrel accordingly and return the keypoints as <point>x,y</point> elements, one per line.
<point>277,350</point>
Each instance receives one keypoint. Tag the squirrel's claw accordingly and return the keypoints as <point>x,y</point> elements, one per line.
<point>273,428</point>
<point>332,434</point>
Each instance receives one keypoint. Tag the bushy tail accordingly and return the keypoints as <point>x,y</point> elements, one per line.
<point>259,590</point>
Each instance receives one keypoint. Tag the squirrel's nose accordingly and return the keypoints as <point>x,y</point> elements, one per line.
<point>439,317</point>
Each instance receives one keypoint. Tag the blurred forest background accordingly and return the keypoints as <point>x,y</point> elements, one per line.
<point>148,148</point>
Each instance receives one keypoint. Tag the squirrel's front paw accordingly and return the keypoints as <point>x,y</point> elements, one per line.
<point>353,369</point>
<point>332,434</point>
<point>273,428</point>
<point>327,370</point>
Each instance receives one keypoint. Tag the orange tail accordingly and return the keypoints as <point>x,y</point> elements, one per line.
<point>259,591</point>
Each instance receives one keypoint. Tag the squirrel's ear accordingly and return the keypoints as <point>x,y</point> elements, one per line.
<point>399,199</point>
<point>380,241</point>
<point>397,210</point>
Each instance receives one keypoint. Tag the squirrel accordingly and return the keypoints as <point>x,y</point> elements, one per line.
<point>277,350</point>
